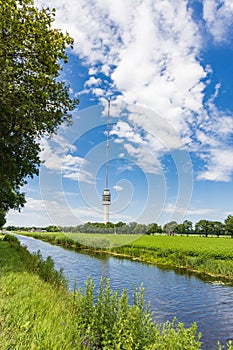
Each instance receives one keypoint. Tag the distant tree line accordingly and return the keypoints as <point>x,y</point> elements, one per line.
<point>202,227</point>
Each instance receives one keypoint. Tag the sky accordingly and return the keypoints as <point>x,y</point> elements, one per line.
<point>167,68</point>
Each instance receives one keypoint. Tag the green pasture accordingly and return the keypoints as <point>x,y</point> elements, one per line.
<point>92,240</point>
<point>103,240</point>
<point>219,248</point>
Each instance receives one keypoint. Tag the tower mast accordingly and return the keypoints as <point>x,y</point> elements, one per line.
<point>106,198</point>
<point>107,144</point>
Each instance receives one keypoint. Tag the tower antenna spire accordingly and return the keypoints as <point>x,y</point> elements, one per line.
<point>107,145</point>
<point>106,198</point>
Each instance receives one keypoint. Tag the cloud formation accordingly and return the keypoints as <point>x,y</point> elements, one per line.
<point>151,54</point>
<point>219,18</point>
<point>55,158</point>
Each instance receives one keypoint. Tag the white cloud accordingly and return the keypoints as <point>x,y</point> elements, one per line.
<point>99,92</point>
<point>219,164</point>
<point>72,168</point>
<point>55,158</point>
<point>145,159</point>
<point>171,208</point>
<point>117,188</point>
<point>219,18</point>
<point>205,139</point>
<point>124,131</point>
<point>92,81</point>
<point>154,58</point>
<point>50,159</point>
<point>38,204</point>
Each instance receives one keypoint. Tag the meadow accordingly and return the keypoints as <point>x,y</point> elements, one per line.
<point>38,312</point>
<point>221,247</point>
<point>210,256</point>
<point>92,240</point>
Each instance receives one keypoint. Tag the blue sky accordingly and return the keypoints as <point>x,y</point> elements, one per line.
<point>167,67</point>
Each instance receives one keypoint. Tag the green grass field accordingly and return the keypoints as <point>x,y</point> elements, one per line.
<point>221,247</point>
<point>92,240</point>
<point>193,245</point>
<point>103,240</point>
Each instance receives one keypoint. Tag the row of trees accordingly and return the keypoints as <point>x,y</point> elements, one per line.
<point>205,227</point>
<point>202,227</point>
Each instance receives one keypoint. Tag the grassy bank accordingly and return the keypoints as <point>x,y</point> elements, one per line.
<point>210,256</point>
<point>37,312</point>
<point>81,240</point>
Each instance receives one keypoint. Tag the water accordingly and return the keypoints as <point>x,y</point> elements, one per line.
<point>170,294</point>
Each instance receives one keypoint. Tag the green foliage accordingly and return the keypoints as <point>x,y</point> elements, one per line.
<point>211,256</point>
<point>176,337</point>
<point>184,228</point>
<point>112,323</point>
<point>154,228</point>
<point>209,227</point>
<point>13,241</point>
<point>229,224</point>
<point>2,218</point>
<point>35,263</point>
<point>33,102</point>
<point>81,240</point>
<point>170,227</point>
<point>45,269</point>
<point>33,314</point>
<point>53,229</point>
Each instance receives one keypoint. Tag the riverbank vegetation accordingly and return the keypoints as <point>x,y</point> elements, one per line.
<point>38,312</point>
<point>205,255</point>
<point>210,256</point>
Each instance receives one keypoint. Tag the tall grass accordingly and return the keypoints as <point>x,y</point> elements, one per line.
<point>83,240</point>
<point>210,256</point>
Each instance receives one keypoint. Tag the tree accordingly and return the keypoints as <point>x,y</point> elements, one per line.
<point>229,225</point>
<point>203,226</point>
<point>154,228</point>
<point>33,101</point>
<point>210,227</point>
<point>170,227</point>
<point>52,228</point>
<point>140,229</point>
<point>188,226</point>
<point>218,228</point>
<point>2,218</point>
<point>120,224</point>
